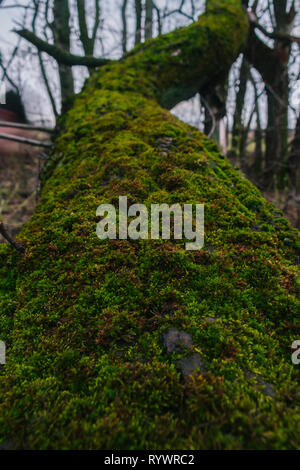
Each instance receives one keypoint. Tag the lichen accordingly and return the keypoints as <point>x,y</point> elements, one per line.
<point>84,319</point>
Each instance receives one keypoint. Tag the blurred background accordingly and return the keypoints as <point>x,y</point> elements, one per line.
<point>254,116</point>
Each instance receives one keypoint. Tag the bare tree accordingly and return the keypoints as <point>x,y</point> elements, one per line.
<point>124,23</point>
<point>238,136</point>
<point>272,63</point>
<point>148,19</point>
<point>88,41</point>
<point>138,27</point>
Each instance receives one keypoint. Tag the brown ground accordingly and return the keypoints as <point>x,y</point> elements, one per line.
<point>289,202</point>
<point>19,185</point>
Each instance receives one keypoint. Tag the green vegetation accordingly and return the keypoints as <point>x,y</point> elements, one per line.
<point>84,319</point>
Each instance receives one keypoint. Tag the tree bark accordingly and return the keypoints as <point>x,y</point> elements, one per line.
<point>259,155</point>
<point>88,42</point>
<point>237,146</point>
<point>272,64</point>
<point>148,19</point>
<point>124,23</point>
<point>62,34</point>
<point>294,159</point>
<point>138,16</point>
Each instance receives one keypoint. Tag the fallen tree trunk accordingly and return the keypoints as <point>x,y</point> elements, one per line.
<point>141,344</point>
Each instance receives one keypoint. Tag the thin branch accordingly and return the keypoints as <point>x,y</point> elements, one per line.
<point>15,6</point>
<point>8,78</point>
<point>47,85</point>
<point>158,18</point>
<point>277,36</point>
<point>12,57</point>
<point>40,57</point>
<point>62,57</point>
<point>8,238</point>
<point>21,140</point>
<point>97,21</point>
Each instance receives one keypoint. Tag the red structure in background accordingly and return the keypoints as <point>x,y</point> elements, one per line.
<point>29,136</point>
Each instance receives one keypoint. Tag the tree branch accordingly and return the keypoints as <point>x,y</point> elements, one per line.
<point>8,238</point>
<point>261,57</point>
<point>59,55</point>
<point>277,36</point>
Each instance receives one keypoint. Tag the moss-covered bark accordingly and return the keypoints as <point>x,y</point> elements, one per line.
<point>85,320</point>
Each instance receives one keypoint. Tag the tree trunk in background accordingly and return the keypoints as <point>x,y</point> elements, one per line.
<point>62,32</point>
<point>272,64</point>
<point>258,134</point>
<point>276,132</point>
<point>278,95</point>
<point>223,135</point>
<point>294,159</point>
<point>88,41</point>
<point>138,16</point>
<point>124,23</point>
<point>237,144</point>
<point>149,19</point>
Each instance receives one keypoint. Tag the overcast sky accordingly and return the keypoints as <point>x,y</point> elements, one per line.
<point>25,70</point>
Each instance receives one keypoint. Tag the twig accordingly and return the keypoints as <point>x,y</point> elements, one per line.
<point>7,237</point>
<point>21,140</point>
<point>61,56</point>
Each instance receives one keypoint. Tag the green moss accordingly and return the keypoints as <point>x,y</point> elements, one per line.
<point>84,319</point>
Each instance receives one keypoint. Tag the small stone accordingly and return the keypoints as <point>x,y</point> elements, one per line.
<point>267,388</point>
<point>256,228</point>
<point>188,365</point>
<point>210,320</point>
<point>174,340</point>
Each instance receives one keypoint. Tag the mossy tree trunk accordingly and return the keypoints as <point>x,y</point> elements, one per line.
<point>101,334</point>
